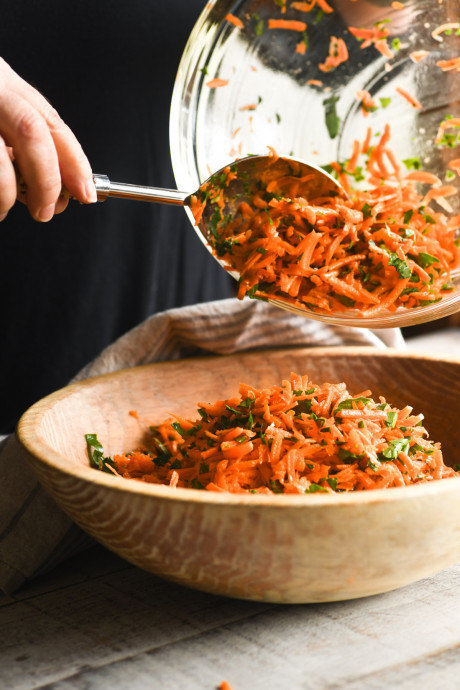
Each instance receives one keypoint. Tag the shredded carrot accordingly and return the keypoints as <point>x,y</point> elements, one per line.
<point>234,20</point>
<point>294,438</point>
<point>308,6</point>
<point>301,47</point>
<point>384,248</point>
<point>338,53</point>
<point>225,686</point>
<point>315,82</point>
<point>368,104</point>
<point>450,26</point>
<point>418,55</point>
<point>367,141</point>
<point>383,47</point>
<point>353,161</point>
<point>369,36</point>
<point>290,24</point>
<point>397,5</point>
<point>216,83</point>
<point>409,98</point>
<point>448,65</point>
<point>455,165</point>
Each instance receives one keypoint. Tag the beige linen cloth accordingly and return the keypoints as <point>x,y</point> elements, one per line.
<point>35,534</point>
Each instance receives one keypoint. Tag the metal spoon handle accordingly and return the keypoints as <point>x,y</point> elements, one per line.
<point>106,188</point>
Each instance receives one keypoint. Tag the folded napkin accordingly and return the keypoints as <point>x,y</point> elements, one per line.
<point>35,534</point>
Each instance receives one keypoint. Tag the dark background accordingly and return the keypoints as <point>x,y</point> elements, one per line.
<point>71,287</point>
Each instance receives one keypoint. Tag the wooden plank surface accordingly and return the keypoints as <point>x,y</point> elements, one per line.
<point>97,623</point>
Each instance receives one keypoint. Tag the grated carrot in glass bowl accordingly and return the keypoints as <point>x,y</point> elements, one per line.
<point>293,438</point>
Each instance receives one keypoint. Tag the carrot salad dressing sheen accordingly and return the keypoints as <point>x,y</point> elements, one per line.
<point>295,438</point>
<point>386,247</point>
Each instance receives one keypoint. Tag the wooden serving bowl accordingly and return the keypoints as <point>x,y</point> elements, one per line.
<point>287,549</point>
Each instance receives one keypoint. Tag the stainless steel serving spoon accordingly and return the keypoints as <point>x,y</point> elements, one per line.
<point>314,182</point>
<point>248,170</point>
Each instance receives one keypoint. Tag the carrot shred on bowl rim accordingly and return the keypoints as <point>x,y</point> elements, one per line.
<point>293,438</point>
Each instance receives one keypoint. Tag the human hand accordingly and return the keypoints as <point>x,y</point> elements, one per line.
<point>45,152</point>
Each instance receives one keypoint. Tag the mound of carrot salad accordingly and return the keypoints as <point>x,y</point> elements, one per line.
<point>295,438</point>
<point>383,248</point>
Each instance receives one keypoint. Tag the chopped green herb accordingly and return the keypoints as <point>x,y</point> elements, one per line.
<point>259,27</point>
<point>400,265</point>
<point>203,414</point>
<point>315,488</point>
<point>96,454</point>
<point>412,163</point>
<point>366,210</point>
<point>346,301</point>
<point>196,484</point>
<point>163,456</point>
<point>347,456</point>
<point>330,114</point>
<point>318,16</point>
<point>348,404</point>
<point>276,486</point>
<point>395,447</point>
<point>416,447</point>
<point>302,407</point>
<point>408,215</point>
<point>391,419</point>
<point>185,432</point>
<point>424,260</point>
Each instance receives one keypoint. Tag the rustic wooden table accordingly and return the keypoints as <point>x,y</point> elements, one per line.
<point>97,623</point>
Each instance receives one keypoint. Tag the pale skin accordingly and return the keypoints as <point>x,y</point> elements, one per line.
<point>45,152</point>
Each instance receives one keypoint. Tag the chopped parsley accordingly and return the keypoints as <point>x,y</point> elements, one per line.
<point>315,488</point>
<point>400,265</point>
<point>96,454</point>
<point>395,447</point>
<point>330,115</point>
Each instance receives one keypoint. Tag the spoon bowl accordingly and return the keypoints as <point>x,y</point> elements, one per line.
<point>223,199</point>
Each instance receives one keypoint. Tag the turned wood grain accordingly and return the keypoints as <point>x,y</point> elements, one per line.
<point>278,549</point>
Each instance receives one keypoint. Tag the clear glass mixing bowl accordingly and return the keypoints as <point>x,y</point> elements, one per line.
<point>273,97</point>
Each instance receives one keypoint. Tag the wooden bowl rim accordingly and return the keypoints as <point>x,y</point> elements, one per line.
<point>27,432</point>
